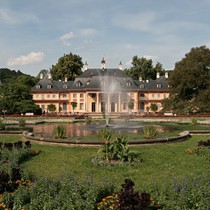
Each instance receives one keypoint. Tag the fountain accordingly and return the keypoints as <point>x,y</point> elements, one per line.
<point>107,119</point>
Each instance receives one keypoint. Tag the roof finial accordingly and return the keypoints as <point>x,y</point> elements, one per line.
<point>103,63</point>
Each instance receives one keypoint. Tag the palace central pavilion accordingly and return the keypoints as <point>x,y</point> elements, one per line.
<point>99,90</point>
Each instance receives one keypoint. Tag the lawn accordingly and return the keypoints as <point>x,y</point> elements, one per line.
<point>160,162</point>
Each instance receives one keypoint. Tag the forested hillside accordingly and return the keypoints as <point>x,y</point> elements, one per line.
<point>7,74</point>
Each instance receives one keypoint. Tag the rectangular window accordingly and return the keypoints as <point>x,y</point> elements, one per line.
<point>37,96</point>
<point>48,96</point>
<point>124,106</point>
<point>74,95</point>
<point>64,96</point>
<point>81,95</point>
<point>158,95</point>
<point>153,95</point>
<point>81,106</point>
<point>42,96</point>
<point>53,96</point>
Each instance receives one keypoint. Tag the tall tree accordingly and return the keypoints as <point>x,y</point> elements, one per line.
<point>69,66</point>
<point>142,67</point>
<point>16,95</point>
<point>190,82</point>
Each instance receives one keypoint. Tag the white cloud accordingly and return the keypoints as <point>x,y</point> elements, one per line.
<point>67,36</point>
<point>11,17</point>
<point>31,58</point>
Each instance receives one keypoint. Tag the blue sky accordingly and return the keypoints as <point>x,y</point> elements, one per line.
<point>35,34</point>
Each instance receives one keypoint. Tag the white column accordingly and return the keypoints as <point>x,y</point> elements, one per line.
<point>119,102</point>
<point>86,103</point>
<point>97,99</point>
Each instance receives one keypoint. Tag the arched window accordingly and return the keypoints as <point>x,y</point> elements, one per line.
<point>128,83</point>
<point>49,86</point>
<point>38,86</point>
<point>78,84</point>
<point>158,85</point>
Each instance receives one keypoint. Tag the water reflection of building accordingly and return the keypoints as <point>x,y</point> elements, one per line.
<point>72,130</point>
<point>98,90</point>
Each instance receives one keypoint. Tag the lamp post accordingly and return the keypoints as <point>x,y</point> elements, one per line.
<point>4,111</point>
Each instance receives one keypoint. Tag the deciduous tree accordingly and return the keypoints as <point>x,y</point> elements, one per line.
<point>190,82</point>
<point>142,67</point>
<point>69,66</point>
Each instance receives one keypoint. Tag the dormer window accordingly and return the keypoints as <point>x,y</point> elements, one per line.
<point>78,84</point>
<point>49,86</point>
<point>65,86</point>
<point>142,86</point>
<point>128,83</point>
<point>159,86</point>
<point>38,86</point>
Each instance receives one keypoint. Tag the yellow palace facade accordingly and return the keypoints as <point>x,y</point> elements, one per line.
<point>100,90</point>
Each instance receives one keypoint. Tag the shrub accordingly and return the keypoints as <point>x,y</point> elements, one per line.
<point>204,143</point>
<point>194,121</point>
<point>60,132</point>
<point>22,122</point>
<point>2,125</point>
<point>150,132</point>
<point>88,120</point>
<point>128,199</point>
<point>65,193</point>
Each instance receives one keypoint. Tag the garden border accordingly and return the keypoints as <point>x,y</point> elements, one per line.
<point>182,136</point>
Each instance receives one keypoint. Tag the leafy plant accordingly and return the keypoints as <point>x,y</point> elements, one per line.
<point>150,132</point>
<point>131,200</point>
<point>22,122</point>
<point>74,105</point>
<point>114,149</point>
<point>154,107</point>
<point>88,120</point>
<point>194,121</point>
<point>60,132</point>
<point>2,125</point>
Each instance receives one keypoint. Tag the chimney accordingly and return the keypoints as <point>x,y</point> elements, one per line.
<point>166,75</point>
<point>103,64</point>
<point>65,80</point>
<point>158,75</point>
<point>41,76</point>
<point>140,79</point>
<point>120,66</point>
<point>86,66</point>
<point>49,76</point>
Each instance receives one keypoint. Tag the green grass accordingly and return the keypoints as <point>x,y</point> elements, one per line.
<point>159,162</point>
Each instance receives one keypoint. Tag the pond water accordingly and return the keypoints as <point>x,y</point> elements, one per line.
<point>81,129</point>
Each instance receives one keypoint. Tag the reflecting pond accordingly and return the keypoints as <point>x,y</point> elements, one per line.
<point>81,129</point>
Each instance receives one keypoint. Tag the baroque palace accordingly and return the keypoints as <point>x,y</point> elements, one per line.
<point>100,90</point>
